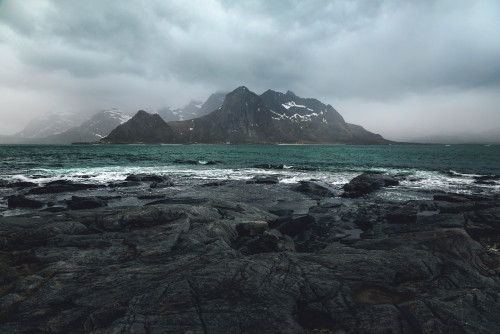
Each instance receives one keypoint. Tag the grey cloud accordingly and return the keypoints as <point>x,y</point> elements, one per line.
<point>167,52</point>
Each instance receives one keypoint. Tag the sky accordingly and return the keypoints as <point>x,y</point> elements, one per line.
<point>404,69</point>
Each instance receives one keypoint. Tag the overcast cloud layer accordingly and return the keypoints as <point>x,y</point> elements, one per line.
<point>404,69</point>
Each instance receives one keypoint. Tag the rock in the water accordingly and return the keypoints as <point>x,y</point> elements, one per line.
<point>315,189</point>
<point>264,180</point>
<point>60,186</point>
<point>147,178</point>
<point>366,183</point>
<point>18,201</point>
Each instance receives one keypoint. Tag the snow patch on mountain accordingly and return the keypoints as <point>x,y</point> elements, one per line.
<point>297,118</point>
<point>291,104</point>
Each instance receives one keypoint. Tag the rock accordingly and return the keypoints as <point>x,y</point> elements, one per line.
<point>18,201</point>
<point>214,184</point>
<point>252,228</point>
<point>104,316</point>
<point>82,203</point>
<point>294,226</point>
<point>271,241</point>
<point>164,184</point>
<point>263,180</point>
<point>60,186</point>
<point>366,183</point>
<point>147,178</point>
<point>182,267</point>
<point>315,189</point>
<point>20,184</point>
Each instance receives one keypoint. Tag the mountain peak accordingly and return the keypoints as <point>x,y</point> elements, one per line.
<point>290,94</point>
<point>143,127</point>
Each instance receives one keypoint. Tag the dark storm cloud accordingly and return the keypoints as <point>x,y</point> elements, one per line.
<point>166,52</point>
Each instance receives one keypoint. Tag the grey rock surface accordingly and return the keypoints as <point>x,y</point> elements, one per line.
<point>206,265</point>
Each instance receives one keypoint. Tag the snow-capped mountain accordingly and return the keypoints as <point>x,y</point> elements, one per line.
<point>97,127</point>
<point>49,125</point>
<point>193,109</point>
<point>245,117</point>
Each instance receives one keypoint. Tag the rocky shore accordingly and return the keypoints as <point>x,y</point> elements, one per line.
<point>256,256</point>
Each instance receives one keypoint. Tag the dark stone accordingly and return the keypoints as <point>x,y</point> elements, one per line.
<point>147,178</point>
<point>315,189</point>
<point>124,184</point>
<point>214,184</point>
<point>271,241</point>
<point>18,201</point>
<point>263,180</point>
<point>406,214</point>
<point>366,183</point>
<point>82,203</point>
<point>164,184</point>
<point>60,186</point>
<point>294,226</point>
<point>21,184</point>
<point>191,265</point>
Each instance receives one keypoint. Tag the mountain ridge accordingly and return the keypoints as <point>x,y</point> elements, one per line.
<point>247,118</point>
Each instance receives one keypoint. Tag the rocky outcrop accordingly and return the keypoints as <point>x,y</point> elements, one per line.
<point>294,265</point>
<point>366,183</point>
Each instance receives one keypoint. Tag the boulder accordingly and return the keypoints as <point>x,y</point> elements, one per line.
<point>315,189</point>
<point>60,186</point>
<point>147,178</point>
<point>264,180</point>
<point>18,201</point>
<point>366,183</point>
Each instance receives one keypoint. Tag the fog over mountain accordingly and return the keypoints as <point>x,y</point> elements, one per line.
<point>406,70</point>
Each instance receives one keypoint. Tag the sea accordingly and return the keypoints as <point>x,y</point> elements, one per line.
<point>424,169</point>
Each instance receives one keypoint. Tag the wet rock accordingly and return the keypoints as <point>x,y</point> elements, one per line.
<point>214,184</point>
<point>192,265</point>
<point>60,186</point>
<point>271,241</point>
<point>263,180</point>
<point>20,184</point>
<point>18,201</point>
<point>147,178</point>
<point>366,183</point>
<point>315,189</point>
<point>164,184</point>
<point>252,228</point>
<point>293,226</point>
<point>82,203</point>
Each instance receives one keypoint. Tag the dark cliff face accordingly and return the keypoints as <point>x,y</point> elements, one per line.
<point>142,128</point>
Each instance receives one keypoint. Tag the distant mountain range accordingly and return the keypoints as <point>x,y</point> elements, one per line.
<point>245,117</point>
<point>64,128</point>
<point>193,109</point>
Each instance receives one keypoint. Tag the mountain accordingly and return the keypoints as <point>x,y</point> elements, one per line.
<point>245,117</point>
<point>193,109</point>
<point>142,128</point>
<point>273,117</point>
<point>49,125</point>
<point>94,129</point>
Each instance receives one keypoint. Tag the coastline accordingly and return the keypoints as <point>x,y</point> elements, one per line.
<point>249,256</point>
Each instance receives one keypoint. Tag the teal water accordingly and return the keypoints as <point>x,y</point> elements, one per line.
<point>450,168</point>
